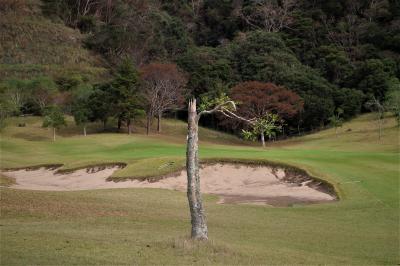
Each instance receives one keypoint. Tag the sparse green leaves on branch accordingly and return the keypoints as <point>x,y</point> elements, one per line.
<point>53,117</point>
<point>379,109</point>
<point>268,125</point>
<point>249,135</point>
<point>207,102</point>
<point>336,120</point>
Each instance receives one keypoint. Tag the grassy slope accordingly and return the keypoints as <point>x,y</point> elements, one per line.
<point>151,225</point>
<point>32,45</point>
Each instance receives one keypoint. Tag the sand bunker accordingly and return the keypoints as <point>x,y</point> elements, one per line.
<point>233,183</point>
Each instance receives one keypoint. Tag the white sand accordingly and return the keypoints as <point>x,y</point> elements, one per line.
<point>235,183</point>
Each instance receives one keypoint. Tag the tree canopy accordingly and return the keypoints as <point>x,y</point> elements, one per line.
<point>332,54</point>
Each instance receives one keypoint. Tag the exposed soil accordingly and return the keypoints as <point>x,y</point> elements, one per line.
<point>234,183</point>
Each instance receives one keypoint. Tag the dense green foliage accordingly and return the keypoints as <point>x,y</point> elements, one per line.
<point>118,98</point>
<point>393,102</point>
<point>333,54</point>
<point>53,117</point>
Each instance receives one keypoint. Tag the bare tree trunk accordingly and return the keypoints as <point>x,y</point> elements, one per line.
<point>159,123</point>
<point>262,139</point>
<point>54,134</point>
<point>198,219</point>
<point>380,128</point>
<point>84,130</point>
<point>148,125</point>
<point>119,123</point>
<point>104,124</point>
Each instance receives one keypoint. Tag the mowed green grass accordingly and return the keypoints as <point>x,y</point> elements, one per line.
<point>152,226</point>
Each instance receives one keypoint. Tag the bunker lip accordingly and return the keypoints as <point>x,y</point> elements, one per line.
<point>33,167</point>
<point>279,201</point>
<point>91,168</point>
<point>232,182</point>
<point>293,174</point>
<point>94,168</point>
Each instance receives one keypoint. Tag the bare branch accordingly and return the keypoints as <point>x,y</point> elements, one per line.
<point>230,114</point>
<point>271,16</point>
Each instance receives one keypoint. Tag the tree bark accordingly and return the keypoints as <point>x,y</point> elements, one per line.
<point>262,139</point>
<point>84,130</point>
<point>198,218</point>
<point>129,126</point>
<point>159,123</point>
<point>148,125</point>
<point>54,134</point>
<point>119,123</point>
<point>104,124</point>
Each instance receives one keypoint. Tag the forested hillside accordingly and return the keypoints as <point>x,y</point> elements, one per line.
<point>335,56</point>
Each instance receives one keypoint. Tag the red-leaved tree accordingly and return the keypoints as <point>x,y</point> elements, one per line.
<point>163,88</point>
<point>256,99</point>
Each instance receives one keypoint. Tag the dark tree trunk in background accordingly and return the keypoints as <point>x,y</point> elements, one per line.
<point>148,125</point>
<point>104,124</point>
<point>159,123</point>
<point>198,219</point>
<point>119,123</point>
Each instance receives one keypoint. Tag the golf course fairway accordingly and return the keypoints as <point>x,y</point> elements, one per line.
<point>152,226</point>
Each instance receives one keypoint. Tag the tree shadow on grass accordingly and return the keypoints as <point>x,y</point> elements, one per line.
<point>30,137</point>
